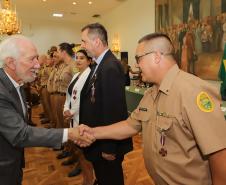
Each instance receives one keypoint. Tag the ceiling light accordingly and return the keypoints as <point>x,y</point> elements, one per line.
<point>74,3</point>
<point>9,23</point>
<point>90,2</point>
<point>57,15</point>
<point>44,0</point>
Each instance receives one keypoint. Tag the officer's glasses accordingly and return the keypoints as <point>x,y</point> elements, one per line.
<point>138,57</point>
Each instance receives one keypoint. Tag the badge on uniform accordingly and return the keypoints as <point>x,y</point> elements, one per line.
<point>204,102</point>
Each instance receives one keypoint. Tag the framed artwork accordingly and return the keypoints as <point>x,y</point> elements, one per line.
<point>197,29</point>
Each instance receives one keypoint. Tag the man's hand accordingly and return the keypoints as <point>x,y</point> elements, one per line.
<point>82,141</point>
<point>67,115</point>
<point>85,130</point>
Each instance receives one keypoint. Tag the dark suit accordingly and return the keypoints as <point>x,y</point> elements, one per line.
<point>15,134</point>
<point>109,107</point>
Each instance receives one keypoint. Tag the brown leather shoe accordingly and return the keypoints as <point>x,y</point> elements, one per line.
<point>76,171</point>
<point>63,154</point>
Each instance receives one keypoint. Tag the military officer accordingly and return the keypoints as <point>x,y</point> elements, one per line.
<point>44,73</point>
<point>52,86</point>
<point>64,76</point>
<point>183,127</point>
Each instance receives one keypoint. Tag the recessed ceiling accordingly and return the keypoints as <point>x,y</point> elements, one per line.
<point>82,12</point>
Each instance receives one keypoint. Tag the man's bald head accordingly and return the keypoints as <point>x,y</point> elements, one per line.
<point>155,56</point>
<point>158,42</point>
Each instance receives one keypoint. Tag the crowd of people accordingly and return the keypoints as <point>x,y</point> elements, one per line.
<point>195,37</point>
<point>60,80</point>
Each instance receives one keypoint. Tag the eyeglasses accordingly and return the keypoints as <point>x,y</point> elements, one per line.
<point>138,58</point>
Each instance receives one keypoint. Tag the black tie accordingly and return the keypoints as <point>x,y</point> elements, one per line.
<point>93,67</point>
<point>89,79</point>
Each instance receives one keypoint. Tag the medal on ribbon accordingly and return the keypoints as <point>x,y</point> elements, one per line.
<point>162,151</point>
<point>74,94</point>
<point>92,94</point>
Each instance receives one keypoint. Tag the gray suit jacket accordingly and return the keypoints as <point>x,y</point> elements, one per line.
<point>15,134</point>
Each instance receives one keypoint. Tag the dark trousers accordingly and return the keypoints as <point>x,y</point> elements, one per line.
<point>109,172</point>
<point>20,176</point>
<point>14,177</point>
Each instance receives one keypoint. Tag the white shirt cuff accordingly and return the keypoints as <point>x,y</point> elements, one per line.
<point>65,135</point>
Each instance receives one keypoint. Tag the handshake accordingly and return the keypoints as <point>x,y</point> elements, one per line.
<point>82,135</point>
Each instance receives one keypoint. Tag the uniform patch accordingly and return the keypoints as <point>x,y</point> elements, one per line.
<point>204,102</point>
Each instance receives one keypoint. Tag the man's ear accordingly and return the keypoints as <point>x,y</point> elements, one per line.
<point>158,57</point>
<point>10,63</point>
<point>97,42</point>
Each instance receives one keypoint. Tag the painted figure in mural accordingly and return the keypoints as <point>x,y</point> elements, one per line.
<point>175,40</point>
<point>190,10</point>
<point>224,31</point>
<point>206,35</point>
<point>223,8</point>
<point>197,35</point>
<point>182,33</point>
<point>188,51</point>
<point>184,56</point>
<point>217,32</point>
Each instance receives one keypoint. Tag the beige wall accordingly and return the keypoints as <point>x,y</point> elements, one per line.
<point>46,34</point>
<point>132,20</point>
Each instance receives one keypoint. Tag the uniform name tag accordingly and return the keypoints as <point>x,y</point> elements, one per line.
<point>143,109</point>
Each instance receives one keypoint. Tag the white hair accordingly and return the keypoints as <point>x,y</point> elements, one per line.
<point>10,47</point>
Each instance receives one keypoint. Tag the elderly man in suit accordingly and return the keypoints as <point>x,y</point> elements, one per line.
<point>19,65</point>
<point>103,100</point>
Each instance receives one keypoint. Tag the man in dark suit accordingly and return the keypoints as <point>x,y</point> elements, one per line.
<point>18,65</point>
<point>103,101</point>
